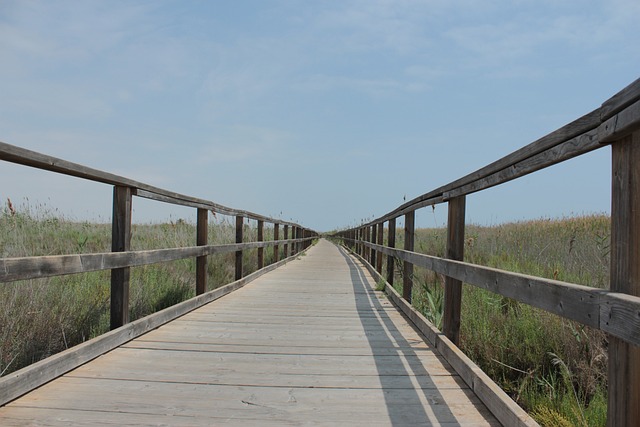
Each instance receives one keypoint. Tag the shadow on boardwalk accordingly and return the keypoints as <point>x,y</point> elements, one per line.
<point>393,356</point>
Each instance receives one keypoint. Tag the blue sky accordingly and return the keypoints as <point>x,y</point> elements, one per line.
<point>323,112</point>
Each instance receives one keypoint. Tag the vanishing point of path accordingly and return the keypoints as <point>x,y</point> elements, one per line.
<point>310,343</point>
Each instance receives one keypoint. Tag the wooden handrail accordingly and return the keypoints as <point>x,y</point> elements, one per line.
<point>121,259</point>
<point>616,311</point>
<point>14,154</point>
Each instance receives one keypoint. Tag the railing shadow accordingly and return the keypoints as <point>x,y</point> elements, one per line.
<point>422,403</point>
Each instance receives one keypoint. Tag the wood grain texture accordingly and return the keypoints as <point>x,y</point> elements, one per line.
<point>391,242</point>
<point>17,383</point>
<point>499,403</point>
<point>120,242</point>
<point>409,241</point>
<point>624,358</point>
<point>576,302</point>
<point>311,342</point>
<point>12,269</point>
<point>452,286</point>
<point>202,239</point>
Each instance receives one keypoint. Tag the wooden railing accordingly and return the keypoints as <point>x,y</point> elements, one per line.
<point>295,237</point>
<point>615,311</point>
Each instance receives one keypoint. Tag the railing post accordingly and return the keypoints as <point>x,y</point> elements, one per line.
<point>202,239</point>
<point>239,238</point>
<point>120,242</point>
<point>624,358</point>
<point>260,239</point>
<point>367,249</point>
<point>293,237</point>
<point>391,242</point>
<point>455,251</point>
<point>286,237</point>
<point>381,243</point>
<point>374,237</point>
<point>276,236</point>
<point>409,233</point>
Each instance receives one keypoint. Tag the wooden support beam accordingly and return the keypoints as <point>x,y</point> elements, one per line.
<point>239,238</point>
<point>276,236</point>
<point>380,239</point>
<point>455,251</point>
<point>624,358</point>
<point>260,239</point>
<point>120,242</point>
<point>286,237</point>
<point>202,239</point>
<point>409,235</point>
<point>391,242</point>
<point>374,239</point>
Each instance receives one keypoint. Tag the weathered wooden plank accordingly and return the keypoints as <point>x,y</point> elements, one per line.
<point>120,242</point>
<point>276,248</point>
<point>579,126</point>
<point>409,240</point>
<point>260,239</point>
<point>13,269</point>
<point>579,145</point>
<point>453,287</point>
<point>624,358</point>
<point>391,242</point>
<point>14,154</point>
<point>620,101</point>
<point>576,302</point>
<point>17,383</point>
<point>202,239</point>
<point>380,241</point>
<point>622,124</point>
<point>239,238</point>
<point>498,402</point>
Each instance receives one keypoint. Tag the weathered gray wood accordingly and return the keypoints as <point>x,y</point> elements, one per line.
<point>367,364</point>
<point>260,239</point>
<point>20,382</point>
<point>453,287</point>
<point>276,248</point>
<point>391,242</point>
<point>373,230</point>
<point>286,243</point>
<point>620,101</point>
<point>409,238</point>
<point>579,145</point>
<point>582,125</point>
<point>14,154</point>
<point>380,240</point>
<point>239,237</point>
<point>576,302</point>
<point>202,239</point>
<point>620,125</point>
<point>13,269</point>
<point>499,403</point>
<point>624,358</point>
<point>120,242</point>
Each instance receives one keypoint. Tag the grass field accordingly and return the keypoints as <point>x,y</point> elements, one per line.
<point>41,317</point>
<point>556,369</point>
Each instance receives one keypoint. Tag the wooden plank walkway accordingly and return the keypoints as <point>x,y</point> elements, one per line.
<point>311,343</point>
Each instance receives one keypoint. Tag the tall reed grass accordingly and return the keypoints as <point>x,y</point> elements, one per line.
<point>41,317</point>
<point>554,368</point>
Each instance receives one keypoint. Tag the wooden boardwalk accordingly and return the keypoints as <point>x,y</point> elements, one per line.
<point>311,343</point>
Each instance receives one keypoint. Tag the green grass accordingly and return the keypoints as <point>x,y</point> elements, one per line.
<point>41,317</point>
<point>554,368</point>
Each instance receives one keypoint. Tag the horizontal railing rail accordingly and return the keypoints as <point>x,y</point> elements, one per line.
<point>615,311</point>
<point>296,238</point>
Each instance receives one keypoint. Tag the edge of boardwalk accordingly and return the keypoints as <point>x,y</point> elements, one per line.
<point>18,383</point>
<point>495,399</point>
